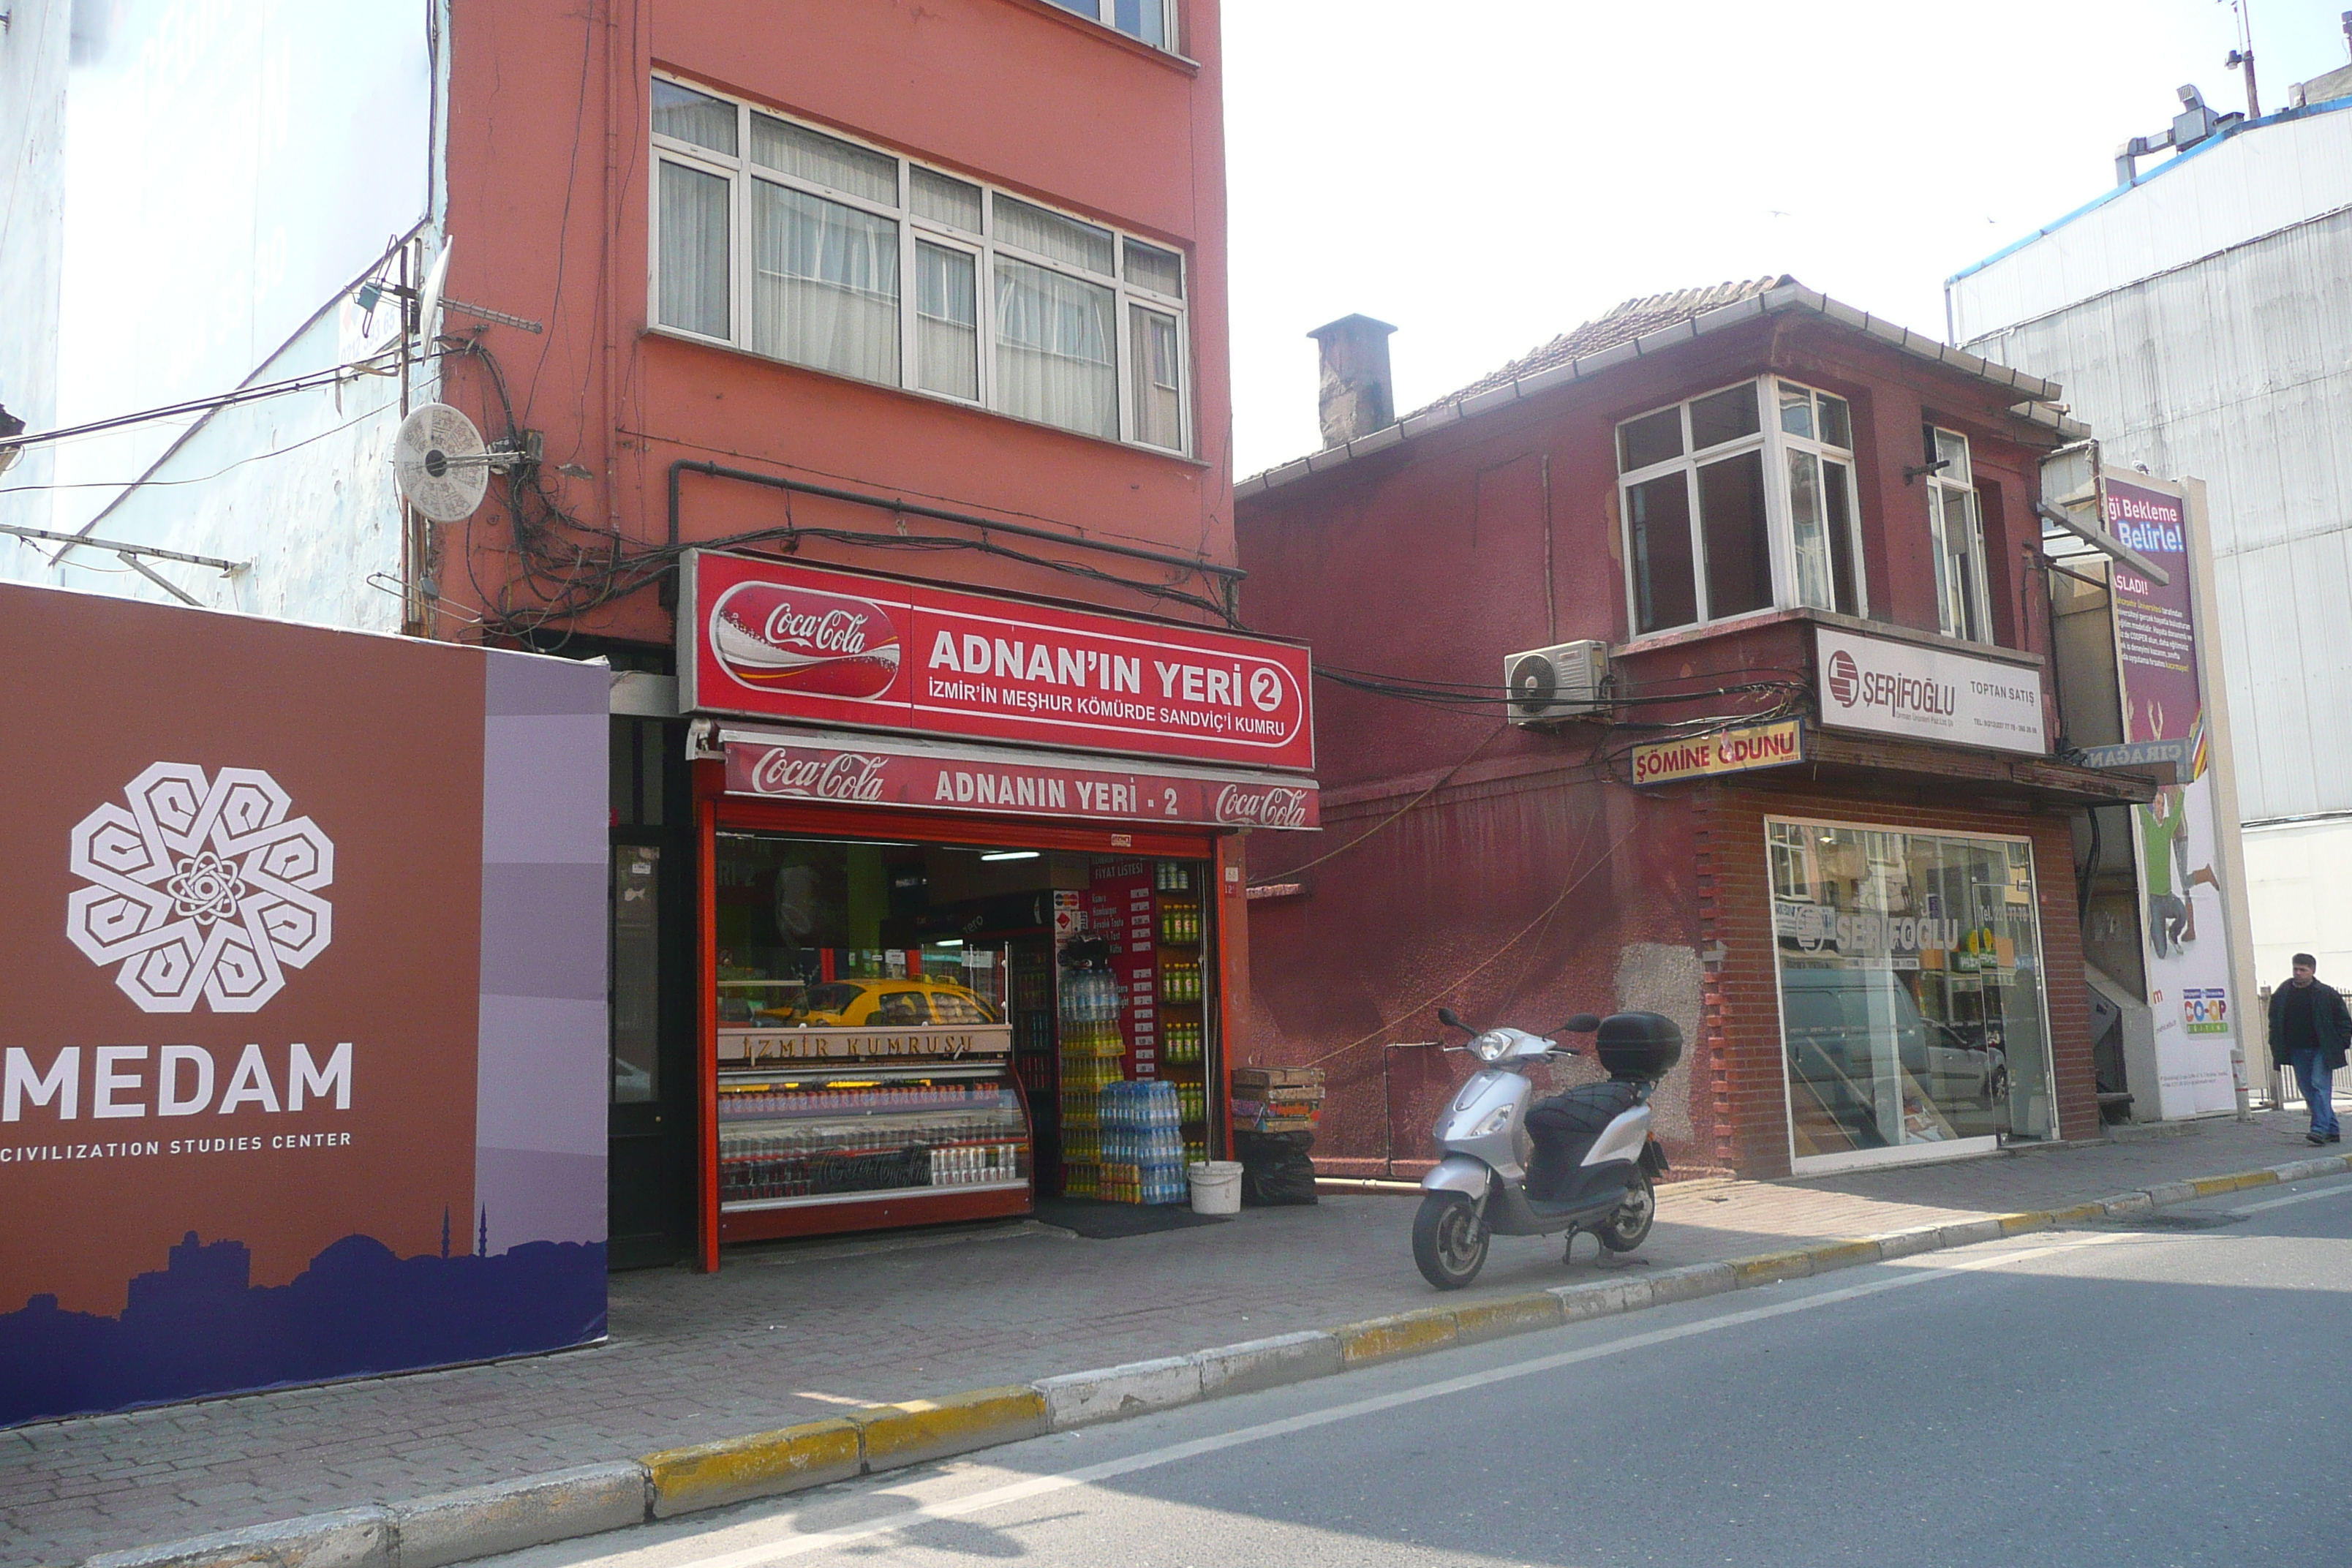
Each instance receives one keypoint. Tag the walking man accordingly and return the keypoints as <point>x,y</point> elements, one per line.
<point>2310,1027</point>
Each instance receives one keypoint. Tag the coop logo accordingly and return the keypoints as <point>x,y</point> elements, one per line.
<point>772,638</point>
<point>200,886</point>
<point>1902,695</point>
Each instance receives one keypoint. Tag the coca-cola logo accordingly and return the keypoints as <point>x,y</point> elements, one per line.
<point>1270,806</point>
<point>852,777</point>
<point>772,638</point>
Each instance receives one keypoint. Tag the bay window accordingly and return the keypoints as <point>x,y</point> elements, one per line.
<point>803,246</point>
<point>1963,604</point>
<point>1727,513</point>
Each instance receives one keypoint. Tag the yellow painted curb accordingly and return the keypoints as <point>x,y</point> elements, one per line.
<point>2031,1219</point>
<point>2207,1186</point>
<point>2080,1211</point>
<point>708,1475</point>
<point>923,1429</point>
<point>1511,1315</point>
<point>1767,1266</point>
<point>1407,1333</point>
<point>1842,1254</point>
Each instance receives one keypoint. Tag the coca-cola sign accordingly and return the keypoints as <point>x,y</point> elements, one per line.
<point>851,777</point>
<point>774,637</point>
<point>1263,805</point>
<point>1008,785</point>
<point>778,639</point>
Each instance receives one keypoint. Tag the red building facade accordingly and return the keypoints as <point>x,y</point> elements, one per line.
<point>1770,511</point>
<point>869,302</point>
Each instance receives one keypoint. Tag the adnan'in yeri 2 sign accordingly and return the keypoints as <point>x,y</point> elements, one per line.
<point>780,640</point>
<point>1028,787</point>
<point>1729,752</point>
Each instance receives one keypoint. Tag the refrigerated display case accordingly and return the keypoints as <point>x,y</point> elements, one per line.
<point>858,1144</point>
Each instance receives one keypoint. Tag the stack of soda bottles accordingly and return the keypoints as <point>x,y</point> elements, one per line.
<point>1142,1145</point>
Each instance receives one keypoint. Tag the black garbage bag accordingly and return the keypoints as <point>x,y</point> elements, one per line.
<point>1276,1170</point>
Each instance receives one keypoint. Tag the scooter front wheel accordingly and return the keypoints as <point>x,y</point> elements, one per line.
<point>1629,1225</point>
<point>1449,1240</point>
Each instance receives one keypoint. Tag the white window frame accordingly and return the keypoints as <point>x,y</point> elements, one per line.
<point>1941,484</point>
<point>1107,13</point>
<point>1775,444</point>
<point>984,247</point>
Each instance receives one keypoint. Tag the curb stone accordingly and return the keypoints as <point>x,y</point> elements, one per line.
<point>478,1521</point>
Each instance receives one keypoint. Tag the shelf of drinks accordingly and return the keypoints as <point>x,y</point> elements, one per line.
<point>788,1169</point>
<point>795,1101</point>
<point>761,1205</point>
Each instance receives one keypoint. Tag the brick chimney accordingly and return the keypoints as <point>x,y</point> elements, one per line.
<point>1356,396</point>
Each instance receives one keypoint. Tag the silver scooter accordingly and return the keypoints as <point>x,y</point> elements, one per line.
<point>1584,1160</point>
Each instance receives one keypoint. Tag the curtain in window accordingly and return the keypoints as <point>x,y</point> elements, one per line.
<point>1053,350</point>
<point>693,256</point>
<point>825,289</point>
<point>1151,354</point>
<point>947,322</point>
<point>1808,521</point>
<point>823,160</point>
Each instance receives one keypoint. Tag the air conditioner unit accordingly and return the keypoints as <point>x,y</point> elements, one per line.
<point>1548,684</point>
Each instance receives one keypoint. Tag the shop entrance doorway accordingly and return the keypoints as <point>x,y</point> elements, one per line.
<point>912,1031</point>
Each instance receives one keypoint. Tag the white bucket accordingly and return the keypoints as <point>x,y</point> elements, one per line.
<point>1216,1186</point>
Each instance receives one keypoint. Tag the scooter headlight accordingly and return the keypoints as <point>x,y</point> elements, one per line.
<point>1491,1046</point>
<point>1494,1122</point>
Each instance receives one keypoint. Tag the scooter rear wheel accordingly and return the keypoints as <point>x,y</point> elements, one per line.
<point>1449,1241</point>
<point>1629,1225</point>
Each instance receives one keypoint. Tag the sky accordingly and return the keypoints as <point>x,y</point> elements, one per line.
<point>1484,175</point>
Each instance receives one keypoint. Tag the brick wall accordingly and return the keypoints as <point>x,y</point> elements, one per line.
<point>1746,1097</point>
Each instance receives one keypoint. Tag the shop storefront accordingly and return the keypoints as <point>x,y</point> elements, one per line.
<point>1910,981</point>
<point>972,895</point>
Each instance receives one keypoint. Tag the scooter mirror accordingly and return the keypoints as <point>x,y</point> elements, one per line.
<point>1582,1024</point>
<point>1447,1016</point>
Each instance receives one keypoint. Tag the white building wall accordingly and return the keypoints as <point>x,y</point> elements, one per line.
<point>34,55</point>
<point>2200,322</point>
<point>229,170</point>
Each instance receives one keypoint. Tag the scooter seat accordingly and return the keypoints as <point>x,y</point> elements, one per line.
<point>1580,1112</point>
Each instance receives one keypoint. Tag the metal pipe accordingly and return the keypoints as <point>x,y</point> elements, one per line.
<point>986,525</point>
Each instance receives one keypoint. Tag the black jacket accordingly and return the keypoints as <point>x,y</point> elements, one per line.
<point>2329,1019</point>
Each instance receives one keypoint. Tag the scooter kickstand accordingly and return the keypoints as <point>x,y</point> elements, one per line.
<point>1567,1254</point>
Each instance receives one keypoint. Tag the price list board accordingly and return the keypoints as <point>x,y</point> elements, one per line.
<point>1119,911</point>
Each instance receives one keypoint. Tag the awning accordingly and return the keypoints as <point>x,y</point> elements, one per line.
<point>836,767</point>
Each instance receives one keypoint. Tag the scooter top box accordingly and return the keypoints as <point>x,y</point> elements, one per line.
<point>1638,1045</point>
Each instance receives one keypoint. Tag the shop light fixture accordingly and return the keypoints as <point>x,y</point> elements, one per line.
<point>1011,855</point>
<point>948,941</point>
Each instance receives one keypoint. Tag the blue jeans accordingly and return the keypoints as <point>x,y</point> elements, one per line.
<point>2318,1081</point>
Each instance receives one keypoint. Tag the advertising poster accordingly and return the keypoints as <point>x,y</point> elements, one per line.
<point>1919,693</point>
<point>303,1057</point>
<point>2182,921</point>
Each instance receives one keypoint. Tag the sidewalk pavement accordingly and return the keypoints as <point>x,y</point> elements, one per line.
<point>797,1333</point>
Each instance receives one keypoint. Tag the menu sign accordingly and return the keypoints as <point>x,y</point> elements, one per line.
<point>778,639</point>
<point>1119,911</point>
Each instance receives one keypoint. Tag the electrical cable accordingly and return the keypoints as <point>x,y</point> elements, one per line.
<point>201,479</point>
<point>224,400</point>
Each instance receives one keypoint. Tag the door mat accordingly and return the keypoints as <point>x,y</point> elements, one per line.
<point>1109,1221</point>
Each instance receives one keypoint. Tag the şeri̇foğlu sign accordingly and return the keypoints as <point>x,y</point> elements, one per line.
<point>1015,784</point>
<point>2183,933</point>
<point>302,1069</point>
<point>776,639</point>
<point>1922,693</point>
<point>1727,751</point>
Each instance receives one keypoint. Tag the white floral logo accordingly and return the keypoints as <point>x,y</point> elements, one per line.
<point>201,888</point>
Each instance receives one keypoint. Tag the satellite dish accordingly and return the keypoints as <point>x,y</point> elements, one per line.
<point>440,463</point>
<point>428,298</point>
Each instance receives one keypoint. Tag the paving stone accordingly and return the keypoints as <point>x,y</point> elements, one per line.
<point>696,1359</point>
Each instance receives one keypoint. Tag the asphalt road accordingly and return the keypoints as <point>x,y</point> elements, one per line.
<point>2170,1393</point>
